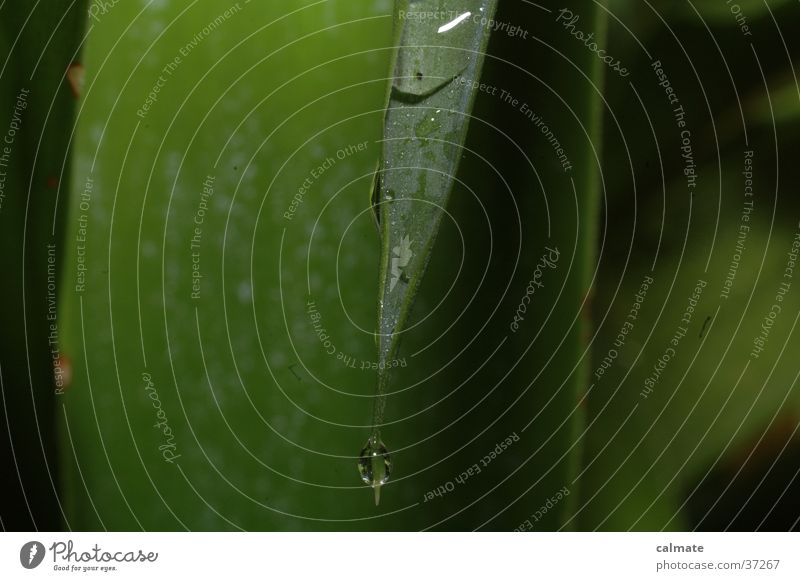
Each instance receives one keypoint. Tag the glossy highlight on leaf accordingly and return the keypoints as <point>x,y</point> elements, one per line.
<point>432,50</point>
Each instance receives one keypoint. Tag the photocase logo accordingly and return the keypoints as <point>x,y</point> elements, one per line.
<point>31,554</point>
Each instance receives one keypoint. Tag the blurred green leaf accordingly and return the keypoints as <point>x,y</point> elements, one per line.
<point>232,387</point>
<point>227,149</point>
<point>39,73</point>
<point>729,12</point>
<point>672,416</point>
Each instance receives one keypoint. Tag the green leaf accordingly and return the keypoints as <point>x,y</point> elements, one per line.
<point>472,381</point>
<point>236,383</point>
<point>672,422</point>
<point>267,130</point>
<point>426,124</point>
<point>39,75</point>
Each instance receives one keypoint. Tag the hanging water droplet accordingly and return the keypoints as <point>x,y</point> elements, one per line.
<point>375,465</point>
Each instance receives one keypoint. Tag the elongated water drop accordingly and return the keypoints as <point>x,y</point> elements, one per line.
<point>375,465</point>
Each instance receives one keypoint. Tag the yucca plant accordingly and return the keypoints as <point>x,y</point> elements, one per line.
<point>515,344</point>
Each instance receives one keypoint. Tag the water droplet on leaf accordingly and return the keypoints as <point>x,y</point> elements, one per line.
<point>375,465</point>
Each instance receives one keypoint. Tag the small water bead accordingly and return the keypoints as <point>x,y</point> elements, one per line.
<point>375,465</point>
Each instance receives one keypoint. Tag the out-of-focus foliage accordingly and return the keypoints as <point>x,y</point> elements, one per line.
<point>39,75</point>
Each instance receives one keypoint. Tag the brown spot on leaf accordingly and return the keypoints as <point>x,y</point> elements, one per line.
<point>75,75</point>
<point>62,373</point>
